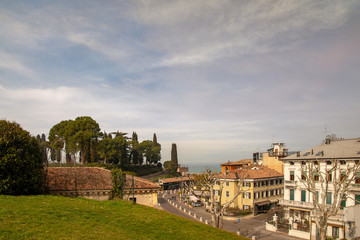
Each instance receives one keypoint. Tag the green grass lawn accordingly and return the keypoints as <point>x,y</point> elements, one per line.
<point>50,217</point>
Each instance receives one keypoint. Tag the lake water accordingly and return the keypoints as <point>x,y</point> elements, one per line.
<point>201,167</point>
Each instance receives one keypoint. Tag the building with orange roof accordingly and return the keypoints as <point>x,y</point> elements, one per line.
<point>96,183</point>
<point>228,166</point>
<point>260,188</point>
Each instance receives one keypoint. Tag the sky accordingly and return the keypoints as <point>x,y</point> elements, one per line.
<point>221,79</point>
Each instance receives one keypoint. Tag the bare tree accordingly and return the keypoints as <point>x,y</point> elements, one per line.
<point>329,187</point>
<point>211,185</point>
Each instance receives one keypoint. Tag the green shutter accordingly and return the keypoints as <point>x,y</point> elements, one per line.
<point>328,197</point>
<point>303,195</point>
<point>292,194</point>
<point>357,199</point>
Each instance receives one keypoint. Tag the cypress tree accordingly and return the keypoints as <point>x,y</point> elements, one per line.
<point>174,157</point>
<point>154,139</point>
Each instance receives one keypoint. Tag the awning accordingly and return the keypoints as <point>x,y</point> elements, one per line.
<point>263,203</point>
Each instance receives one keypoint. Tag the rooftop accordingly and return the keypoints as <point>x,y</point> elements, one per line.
<point>251,172</point>
<point>88,178</point>
<point>240,162</point>
<point>330,149</point>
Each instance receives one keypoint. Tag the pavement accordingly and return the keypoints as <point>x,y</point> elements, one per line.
<point>249,225</point>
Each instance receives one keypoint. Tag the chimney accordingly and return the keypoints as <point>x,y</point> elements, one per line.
<point>298,154</point>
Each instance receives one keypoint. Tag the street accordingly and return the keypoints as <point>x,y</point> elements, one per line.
<point>249,225</point>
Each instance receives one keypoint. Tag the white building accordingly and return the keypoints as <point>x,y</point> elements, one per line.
<point>298,201</point>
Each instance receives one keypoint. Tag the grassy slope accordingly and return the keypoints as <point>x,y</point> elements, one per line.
<point>49,217</point>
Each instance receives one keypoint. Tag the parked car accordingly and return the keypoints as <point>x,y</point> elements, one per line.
<point>196,204</point>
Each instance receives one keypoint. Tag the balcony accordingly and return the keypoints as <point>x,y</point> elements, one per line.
<point>291,203</point>
<point>354,187</point>
<point>290,183</point>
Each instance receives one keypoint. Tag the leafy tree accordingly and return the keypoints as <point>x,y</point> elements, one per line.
<point>60,137</point>
<point>21,162</point>
<point>85,130</point>
<point>119,180</point>
<point>174,157</point>
<point>114,150</point>
<point>170,167</point>
<point>76,135</point>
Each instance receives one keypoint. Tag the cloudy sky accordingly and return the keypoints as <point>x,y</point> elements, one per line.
<point>221,79</point>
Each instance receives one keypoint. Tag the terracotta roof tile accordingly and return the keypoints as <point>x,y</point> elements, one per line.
<point>251,172</point>
<point>88,178</point>
<point>78,178</point>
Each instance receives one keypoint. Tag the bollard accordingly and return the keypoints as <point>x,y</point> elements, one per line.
<point>175,205</point>
<point>238,232</point>
<point>206,221</point>
<point>253,237</point>
<point>194,215</point>
<point>200,219</point>
<point>184,210</point>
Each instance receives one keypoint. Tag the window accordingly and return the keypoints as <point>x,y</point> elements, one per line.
<point>328,162</point>
<point>256,184</point>
<point>342,176</point>
<point>292,175</point>
<point>343,202</point>
<point>292,193</point>
<point>246,207</point>
<point>303,163</point>
<point>291,163</point>
<point>303,177</point>
<point>342,162</point>
<point>216,192</point>
<point>316,176</point>
<point>227,184</point>
<point>357,199</point>
<point>247,195</point>
<point>227,194</point>
<point>328,197</point>
<point>256,195</point>
<point>280,181</point>
<point>335,232</point>
<point>357,178</point>
<point>317,195</point>
<point>247,184</point>
<point>316,163</point>
<point>329,176</point>
<point>303,195</point>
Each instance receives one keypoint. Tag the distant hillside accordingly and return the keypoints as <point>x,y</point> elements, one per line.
<point>50,217</point>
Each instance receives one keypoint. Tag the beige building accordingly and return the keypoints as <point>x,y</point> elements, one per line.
<point>260,188</point>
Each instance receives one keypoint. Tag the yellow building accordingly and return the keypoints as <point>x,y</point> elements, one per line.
<point>258,188</point>
<point>272,157</point>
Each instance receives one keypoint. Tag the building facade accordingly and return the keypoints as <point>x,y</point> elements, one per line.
<point>331,160</point>
<point>228,166</point>
<point>257,188</point>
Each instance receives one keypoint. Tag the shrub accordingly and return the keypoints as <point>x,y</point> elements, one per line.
<point>21,162</point>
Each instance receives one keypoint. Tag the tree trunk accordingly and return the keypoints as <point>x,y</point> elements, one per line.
<point>322,230</point>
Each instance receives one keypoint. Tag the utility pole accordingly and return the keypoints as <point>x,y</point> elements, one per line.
<point>133,189</point>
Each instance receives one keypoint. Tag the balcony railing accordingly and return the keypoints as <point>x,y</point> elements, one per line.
<point>290,183</point>
<point>296,203</point>
<point>354,187</point>
<point>281,154</point>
